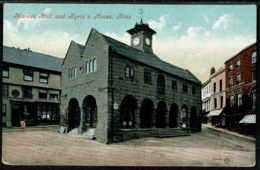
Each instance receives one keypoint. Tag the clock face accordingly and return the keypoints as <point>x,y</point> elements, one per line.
<point>136,40</point>
<point>147,41</point>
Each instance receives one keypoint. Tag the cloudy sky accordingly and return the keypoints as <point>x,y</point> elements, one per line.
<point>194,37</point>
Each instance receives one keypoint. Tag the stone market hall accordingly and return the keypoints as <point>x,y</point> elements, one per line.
<point>117,92</point>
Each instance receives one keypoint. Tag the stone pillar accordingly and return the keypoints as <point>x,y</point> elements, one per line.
<point>137,118</point>
<point>153,116</point>
<point>178,120</point>
<point>82,127</point>
<point>167,118</point>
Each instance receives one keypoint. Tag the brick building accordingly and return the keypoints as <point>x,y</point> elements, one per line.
<point>241,90</point>
<point>31,87</point>
<point>119,92</point>
<point>218,97</point>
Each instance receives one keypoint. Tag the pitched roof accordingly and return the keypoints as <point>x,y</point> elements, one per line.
<point>148,58</point>
<point>31,59</point>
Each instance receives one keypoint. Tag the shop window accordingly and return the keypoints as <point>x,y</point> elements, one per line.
<point>238,64</point>
<point>3,109</point>
<point>27,75</point>
<point>174,84</point>
<point>43,93</point>
<point>47,113</point>
<point>5,90</point>
<point>253,57</point>
<point>239,99</point>
<point>27,92</point>
<point>147,77</point>
<point>44,78</point>
<point>185,88</point>
<point>54,97</point>
<point>253,75</point>
<point>5,71</point>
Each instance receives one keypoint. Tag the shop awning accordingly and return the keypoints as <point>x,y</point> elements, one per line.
<point>214,113</point>
<point>249,119</point>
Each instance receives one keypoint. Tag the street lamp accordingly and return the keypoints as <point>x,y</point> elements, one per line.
<point>115,105</point>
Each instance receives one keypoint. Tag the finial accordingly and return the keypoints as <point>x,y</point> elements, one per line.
<point>141,12</point>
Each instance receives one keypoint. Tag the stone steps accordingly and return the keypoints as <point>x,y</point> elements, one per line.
<point>89,134</point>
<point>163,133</point>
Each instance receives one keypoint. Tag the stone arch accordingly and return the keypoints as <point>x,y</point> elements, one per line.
<point>127,111</point>
<point>160,114</point>
<point>89,107</point>
<point>193,117</point>
<point>146,112</point>
<point>173,116</point>
<point>73,114</point>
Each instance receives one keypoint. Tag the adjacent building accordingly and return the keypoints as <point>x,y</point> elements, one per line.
<point>218,97</point>
<point>31,87</point>
<point>119,92</point>
<point>241,90</point>
<point>205,97</point>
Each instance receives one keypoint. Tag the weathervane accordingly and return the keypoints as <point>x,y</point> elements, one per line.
<point>141,12</point>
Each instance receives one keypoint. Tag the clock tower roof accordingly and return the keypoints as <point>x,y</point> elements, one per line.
<point>141,27</point>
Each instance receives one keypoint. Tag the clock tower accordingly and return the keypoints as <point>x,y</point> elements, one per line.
<point>141,37</point>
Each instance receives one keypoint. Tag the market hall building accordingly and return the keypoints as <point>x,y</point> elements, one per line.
<point>119,92</point>
<point>31,87</point>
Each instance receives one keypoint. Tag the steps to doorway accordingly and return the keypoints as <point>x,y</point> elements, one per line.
<point>89,134</point>
<point>163,133</point>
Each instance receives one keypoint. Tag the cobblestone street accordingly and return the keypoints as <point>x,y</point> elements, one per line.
<point>48,147</point>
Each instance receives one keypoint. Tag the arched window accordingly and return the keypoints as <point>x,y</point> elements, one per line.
<point>72,72</point>
<point>132,72</point>
<point>69,72</point>
<point>87,69</point>
<point>127,71</point>
<point>94,65</point>
<point>90,66</point>
<point>160,84</point>
<point>75,71</point>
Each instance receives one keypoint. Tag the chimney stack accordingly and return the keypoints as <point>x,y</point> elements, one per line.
<point>212,70</point>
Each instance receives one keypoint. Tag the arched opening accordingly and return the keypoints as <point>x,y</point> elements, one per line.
<point>193,117</point>
<point>127,111</point>
<point>173,115</point>
<point>73,114</point>
<point>160,115</point>
<point>183,116</point>
<point>146,111</point>
<point>90,109</point>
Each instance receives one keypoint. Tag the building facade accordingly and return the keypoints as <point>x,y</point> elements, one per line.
<point>241,90</point>
<point>31,87</point>
<point>120,92</point>
<point>205,97</point>
<point>218,97</point>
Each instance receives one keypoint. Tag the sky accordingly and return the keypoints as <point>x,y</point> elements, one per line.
<point>194,37</point>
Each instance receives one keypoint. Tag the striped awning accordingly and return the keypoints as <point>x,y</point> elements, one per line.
<point>214,113</point>
<point>249,119</point>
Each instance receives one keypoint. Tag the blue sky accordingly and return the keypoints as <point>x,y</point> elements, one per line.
<point>194,37</point>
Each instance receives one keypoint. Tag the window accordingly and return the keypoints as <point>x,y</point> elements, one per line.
<point>253,75</point>
<point>129,72</point>
<point>185,88</point>
<point>193,90</point>
<point>87,69</point>
<point>147,77</point>
<point>238,78</point>
<point>6,72</point>
<point>90,66</point>
<point>44,78</point>
<point>230,81</point>
<point>94,65</point>
<point>160,84</point>
<point>174,84</point>
<point>42,93</point>
<point>221,101</point>
<point>238,64</point>
<point>230,68</point>
<point>27,92</point>
<point>54,97</point>
<point>5,90</point>
<point>27,75</point>
<point>239,99</point>
<point>3,109</point>
<point>231,101</point>
<point>214,87</point>
<point>47,112</point>
<point>220,85</point>
<point>253,57</point>
<point>75,71</point>
<point>254,100</point>
<point>215,103</point>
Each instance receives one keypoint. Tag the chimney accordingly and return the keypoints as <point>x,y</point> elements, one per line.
<point>212,70</point>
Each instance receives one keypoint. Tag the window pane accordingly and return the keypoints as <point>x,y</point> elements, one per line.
<point>127,72</point>
<point>6,71</point>
<point>94,65</point>
<point>132,72</point>
<point>87,69</point>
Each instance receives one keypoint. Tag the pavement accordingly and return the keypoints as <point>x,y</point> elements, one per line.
<point>229,132</point>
